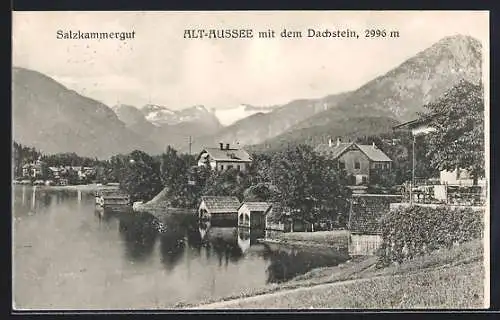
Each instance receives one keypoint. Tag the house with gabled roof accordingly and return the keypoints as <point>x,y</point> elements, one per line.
<point>218,208</point>
<point>357,159</point>
<point>224,158</point>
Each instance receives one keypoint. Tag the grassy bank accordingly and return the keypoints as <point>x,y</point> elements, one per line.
<point>333,239</point>
<point>450,287</point>
<point>442,279</point>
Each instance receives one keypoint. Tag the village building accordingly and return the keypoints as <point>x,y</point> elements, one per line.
<point>357,159</point>
<point>279,219</point>
<point>218,208</point>
<point>55,172</point>
<point>33,169</point>
<point>224,158</point>
<point>253,214</point>
<point>423,126</point>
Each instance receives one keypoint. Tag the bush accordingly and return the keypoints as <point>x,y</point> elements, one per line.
<point>412,231</point>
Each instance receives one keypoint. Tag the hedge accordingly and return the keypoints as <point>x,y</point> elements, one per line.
<point>412,231</point>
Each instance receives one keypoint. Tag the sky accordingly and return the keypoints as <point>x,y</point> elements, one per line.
<point>159,66</point>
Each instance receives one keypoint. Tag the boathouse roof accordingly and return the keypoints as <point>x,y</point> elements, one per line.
<point>257,206</point>
<point>221,204</point>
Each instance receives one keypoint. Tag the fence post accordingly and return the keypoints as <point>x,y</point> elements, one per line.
<point>446,193</point>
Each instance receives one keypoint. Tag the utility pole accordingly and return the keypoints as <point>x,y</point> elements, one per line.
<point>190,143</point>
<point>412,170</point>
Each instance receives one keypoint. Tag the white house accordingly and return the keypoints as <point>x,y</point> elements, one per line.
<point>33,169</point>
<point>224,158</point>
<point>422,126</point>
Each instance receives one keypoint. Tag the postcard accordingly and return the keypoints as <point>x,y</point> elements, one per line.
<point>250,160</point>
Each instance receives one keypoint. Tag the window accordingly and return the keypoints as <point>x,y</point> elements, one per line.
<point>222,167</point>
<point>363,179</point>
<point>239,168</point>
<point>341,164</point>
<point>357,165</point>
<point>229,167</point>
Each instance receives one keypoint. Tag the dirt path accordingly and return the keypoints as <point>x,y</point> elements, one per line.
<point>230,304</point>
<point>255,301</point>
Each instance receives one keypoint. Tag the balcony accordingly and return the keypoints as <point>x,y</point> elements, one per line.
<point>433,192</point>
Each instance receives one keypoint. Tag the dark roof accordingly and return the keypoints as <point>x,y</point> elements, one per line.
<point>235,155</point>
<point>257,206</point>
<point>335,150</point>
<point>424,119</point>
<point>221,204</point>
<point>371,151</point>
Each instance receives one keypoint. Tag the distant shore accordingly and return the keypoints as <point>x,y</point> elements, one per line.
<point>79,187</point>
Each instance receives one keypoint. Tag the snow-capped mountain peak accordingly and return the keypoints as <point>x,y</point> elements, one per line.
<point>229,116</point>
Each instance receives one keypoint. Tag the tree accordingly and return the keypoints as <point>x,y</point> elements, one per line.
<point>230,182</point>
<point>141,178</point>
<point>260,192</point>
<point>174,168</point>
<point>458,139</point>
<point>115,171</point>
<point>72,176</point>
<point>181,179</point>
<point>309,187</point>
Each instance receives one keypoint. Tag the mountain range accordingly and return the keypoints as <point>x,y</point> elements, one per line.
<point>396,96</point>
<point>51,117</point>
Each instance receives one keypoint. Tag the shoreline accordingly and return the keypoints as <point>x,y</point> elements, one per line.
<point>79,187</point>
<point>446,265</point>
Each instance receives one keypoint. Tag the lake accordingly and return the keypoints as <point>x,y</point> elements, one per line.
<point>68,255</point>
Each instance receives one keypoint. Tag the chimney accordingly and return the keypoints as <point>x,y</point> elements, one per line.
<point>330,143</point>
<point>338,142</point>
<point>227,146</point>
<point>221,145</point>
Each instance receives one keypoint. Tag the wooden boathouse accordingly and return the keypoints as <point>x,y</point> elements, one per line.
<point>219,209</point>
<point>112,199</point>
<point>253,214</point>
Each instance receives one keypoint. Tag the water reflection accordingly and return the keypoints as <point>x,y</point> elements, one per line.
<point>104,215</point>
<point>222,243</point>
<point>139,234</point>
<point>287,263</point>
<point>172,245</point>
<point>187,260</point>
